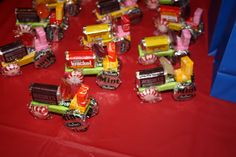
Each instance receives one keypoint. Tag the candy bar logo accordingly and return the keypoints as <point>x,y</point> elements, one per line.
<point>184,91</point>
<point>81,63</point>
<point>108,81</point>
<point>51,99</point>
<point>150,75</point>
<point>152,81</point>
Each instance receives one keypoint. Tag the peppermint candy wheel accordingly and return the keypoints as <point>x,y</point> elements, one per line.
<point>11,69</point>
<point>161,25</point>
<point>39,112</point>
<point>74,77</point>
<point>150,95</point>
<point>147,59</point>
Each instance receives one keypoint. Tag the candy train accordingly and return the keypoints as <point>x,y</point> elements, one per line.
<point>85,62</point>
<point>150,48</point>
<point>52,99</point>
<point>150,82</point>
<point>176,21</point>
<point>16,54</point>
<point>102,34</point>
<point>54,17</point>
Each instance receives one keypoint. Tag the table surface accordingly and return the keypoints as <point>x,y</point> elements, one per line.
<point>204,126</point>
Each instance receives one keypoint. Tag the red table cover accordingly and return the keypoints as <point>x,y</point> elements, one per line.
<point>204,126</point>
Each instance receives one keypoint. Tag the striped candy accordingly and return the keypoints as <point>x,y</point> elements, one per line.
<point>147,59</point>
<point>11,69</point>
<point>74,77</point>
<point>150,95</point>
<point>39,112</point>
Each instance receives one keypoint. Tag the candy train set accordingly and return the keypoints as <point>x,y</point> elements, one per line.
<point>16,54</point>
<point>36,27</point>
<point>86,62</point>
<point>52,99</point>
<point>52,15</point>
<point>176,17</point>
<point>175,31</point>
<point>48,20</point>
<point>150,82</point>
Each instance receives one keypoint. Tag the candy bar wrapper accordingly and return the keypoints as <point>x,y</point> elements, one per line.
<point>12,51</point>
<point>150,77</point>
<point>80,59</point>
<point>107,6</point>
<point>75,124</point>
<point>45,93</point>
<point>44,59</point>
<point>26,15</point>
<point>184,91</point>
<point>108,80</point>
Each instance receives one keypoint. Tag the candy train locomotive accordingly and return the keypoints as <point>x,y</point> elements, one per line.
<point>171,18</point>
<point>52,16</point>
<point>16,54</point>
<point>150,48</point>
<point>102,34</point>
<point>85,62</point>
<point>48,99</point>
<point>150,82</point>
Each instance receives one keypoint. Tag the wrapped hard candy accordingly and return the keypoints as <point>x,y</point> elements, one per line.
<point>11,69</point>
<point>74,78</point>
<point>150,95</point>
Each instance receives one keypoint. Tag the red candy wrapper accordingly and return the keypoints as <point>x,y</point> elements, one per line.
<point>80,59</point>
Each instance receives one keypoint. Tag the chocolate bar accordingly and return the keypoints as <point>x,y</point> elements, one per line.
<point>150,77</point>
<point>26,15</point>
<point>107,6</point>
<point>80,59</point>
<point>12,51</point>
<point>45,93</point>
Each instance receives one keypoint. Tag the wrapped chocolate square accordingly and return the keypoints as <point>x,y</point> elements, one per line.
<point>107,6</point>
<point>12,51</point>
<point>26,15</point>
<point>45,93</point>
<point>150,77</point>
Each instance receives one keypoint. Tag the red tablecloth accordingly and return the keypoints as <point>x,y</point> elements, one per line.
<point>204,126</point>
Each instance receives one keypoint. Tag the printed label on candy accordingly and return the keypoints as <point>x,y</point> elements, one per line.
<point>80,59</point>
<point>12,51</point>
<point>184,91</point>
<point>150,77</point>
<point>108,80</point>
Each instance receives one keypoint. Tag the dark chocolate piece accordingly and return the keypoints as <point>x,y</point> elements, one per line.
<point>26,15</point>
<point>44,93</point>
<point>107,6</point>
<point>150,77</point>
<point>12,51</point>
